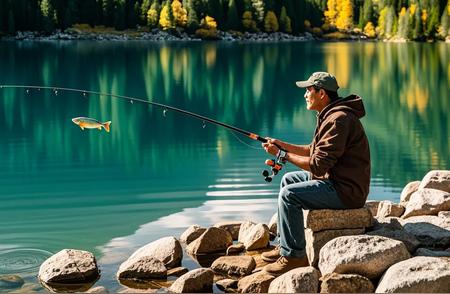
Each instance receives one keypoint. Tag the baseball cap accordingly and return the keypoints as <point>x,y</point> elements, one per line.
<point>320,79</point>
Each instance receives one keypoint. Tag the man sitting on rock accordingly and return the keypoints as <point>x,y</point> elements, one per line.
<point>335,169</point>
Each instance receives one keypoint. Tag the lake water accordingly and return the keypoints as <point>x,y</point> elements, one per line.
<point>154,175</point>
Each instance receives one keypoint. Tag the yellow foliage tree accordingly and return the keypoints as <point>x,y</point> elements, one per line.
<point>165,18</point>
<point>248,22</point>
<point>209,23</point>
<point>369,30</point>
<point>344,20</point>
<point>271,22</point>
<point>179,13</point>
<point>331,12</point>
<point>152,17</point>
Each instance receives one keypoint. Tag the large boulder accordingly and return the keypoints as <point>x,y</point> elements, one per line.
<point>431,231</point>
<point>436,179</point>
<point>231,227</point>
<point>388,208</point>
<point>167,250</point>
<point>427,202</point>
<point>196,281</point>
<point>316,240</point>
<point>299,280</point>
<point>213,240</point>
<point>407,192</point>
<point>368,256</point>
<point>254,236</point>
<point>191,233</point>
<point>69,266</point>
<point>234,265</point>
<point>142,268</point>
<point>255,283</point>
<point>345,283</point>
<point>330,219</point>
<point>409,240</point>
<point>417,275</point>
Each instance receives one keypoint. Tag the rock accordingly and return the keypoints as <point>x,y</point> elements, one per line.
<point>388,208</point>
<point>444,214</point>
<point>235,249</point>
<point>273,224</point>
<point>227,285</point>
<point>328,219</point>
<point>211,241</point>
<point>431,231</point>
<point>348,283</point>
<point>168,250</point>
<point>368,256</point>
<point>316,240</point>
<point>98,290</point>
<point>244,230</point>
<point>417,275</point>
<point>372,205</point>
<point>69,266</point>
<point>407,192</point>
<point>436,179</point>
<point>299,280</point>
<point>27,288</point>
<point>234,265</point>
<point>230,227</point>
<point>142,268</point>
<point>10,282</point>
<point>255,283</point>
<point>257,237</point>
<point>196,281</point>
<point>427,202</point>
<point>191,233</point>
<point>177,272</point>
<point>432,253</point>
<point>388,223</point>
<point>409,240</point>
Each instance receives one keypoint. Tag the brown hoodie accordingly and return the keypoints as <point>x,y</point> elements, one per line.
<point>340,150</point>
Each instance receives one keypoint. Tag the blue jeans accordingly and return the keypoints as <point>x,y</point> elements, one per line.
<point>298,191</point>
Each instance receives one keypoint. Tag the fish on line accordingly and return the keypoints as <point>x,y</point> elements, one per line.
<point>90,123</point>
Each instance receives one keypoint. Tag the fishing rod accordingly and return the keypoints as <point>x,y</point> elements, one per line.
<point>275,164</point>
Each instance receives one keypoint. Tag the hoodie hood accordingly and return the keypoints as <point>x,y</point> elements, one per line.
<point>351,104</point>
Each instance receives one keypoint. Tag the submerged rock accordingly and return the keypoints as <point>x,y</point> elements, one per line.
<point>10,281</point>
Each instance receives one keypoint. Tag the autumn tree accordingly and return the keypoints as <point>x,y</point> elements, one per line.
<point>248,22</point>
<point>179,13</point>
<point>331,13</point>
<point>369,30</point>
<point>271,22</point>
<point>258,6</point>
<point>48,15</point>
<point>153,15</point>
<point>344,19</point>
<point>166,20</point>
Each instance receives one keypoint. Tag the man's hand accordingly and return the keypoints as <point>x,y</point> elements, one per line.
<point>271,146</point>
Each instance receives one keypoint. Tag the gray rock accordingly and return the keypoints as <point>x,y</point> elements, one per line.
<point>227,285</point>
<point>431,231</point>
<point>316,240</point>
<point>10,281</point>
<point>235,249</point>
<point>368,256</point>
<point>388,223</point>
<point>231,227</point>
<point>388,208</point>
<point>234,265</point>
<point>191,233</point>
<point>273,224</point>
<point>69,266</point>
<point>211,241</point>
<point>255,283</point>
<point>417,275</point>
<point>407,192</point>
<point>348,283</point>
<point>427,202</point>
<point>432,253</point>
<point>196,281</point>
<point>142,268</point>
<point>177,272</point>
<point>299,280</point>
<point>330,219</point>
<point>372,205</point>
<point>167,250</point>
<point>409,240</point>
<point>436,179</point>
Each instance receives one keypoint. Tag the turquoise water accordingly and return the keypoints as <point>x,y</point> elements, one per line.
<point>155,174</point>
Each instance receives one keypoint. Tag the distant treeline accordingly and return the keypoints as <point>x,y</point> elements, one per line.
<point>407,19</point>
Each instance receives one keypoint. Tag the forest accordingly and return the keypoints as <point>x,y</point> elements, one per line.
<point>418,20</point>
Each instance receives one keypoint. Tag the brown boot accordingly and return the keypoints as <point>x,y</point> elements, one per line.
<point>285,264</point>
<point>272,255</point>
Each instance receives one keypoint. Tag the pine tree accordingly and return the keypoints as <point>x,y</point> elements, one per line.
<point>179,13</point>
<point>48,15</point>
<point>71,14</point>
<point>271,22</point>
<point>11,23</point>
<point>403,24</point>
<point>367,11</point>
<point>145,7</point>
<point>444,27</point>
<point>119,14</point>
<point>417,32</point>
<point>166,20</point>
<point>232,16</point>
<point>153,15</point>
<point>108,12</point>
<point>192,19</point>
<point>433,22</point>
<point>285,21</point>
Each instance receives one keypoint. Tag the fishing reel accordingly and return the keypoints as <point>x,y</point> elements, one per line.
<point>276,164</point>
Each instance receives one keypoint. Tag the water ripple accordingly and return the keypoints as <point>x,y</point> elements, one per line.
<point>22,260</point>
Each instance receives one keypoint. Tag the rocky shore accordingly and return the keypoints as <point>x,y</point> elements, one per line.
<point>384,247</point>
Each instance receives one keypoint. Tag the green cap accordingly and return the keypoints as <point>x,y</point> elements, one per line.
<point>320,79</point>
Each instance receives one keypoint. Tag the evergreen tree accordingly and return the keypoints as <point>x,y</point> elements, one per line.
<point>285,21</point>
<point>403,24</point>
<point>271,22</point>
<point>11,23</point>
<point>192,20</point>
<point>48,15</point>
<point>444,27</point>
<point>108,12</point>
<point>367,11</point>
<point>153,15</point>
<point>119,14</point>
<point>417,32</point>
<point>232,16</point>
<point>433,22</point>
<point>70,14</point>
<point>145,7</point>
